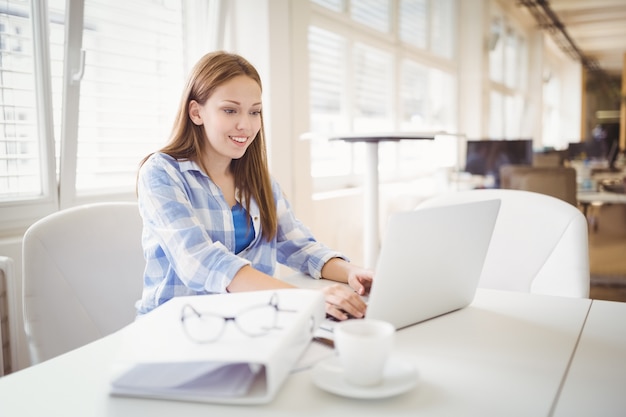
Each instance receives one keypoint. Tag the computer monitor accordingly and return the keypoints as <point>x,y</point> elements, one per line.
<point>605,137</point>
<point>604,144</point>
<point>485,157</point>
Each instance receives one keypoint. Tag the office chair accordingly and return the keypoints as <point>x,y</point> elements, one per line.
<point>82,274</point>
<point>539,243</point>
<point>557,181</point>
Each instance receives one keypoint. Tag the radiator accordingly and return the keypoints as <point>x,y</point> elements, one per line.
<point>6,275</point>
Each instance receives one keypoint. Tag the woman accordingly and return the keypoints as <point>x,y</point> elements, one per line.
<point>214,219</point>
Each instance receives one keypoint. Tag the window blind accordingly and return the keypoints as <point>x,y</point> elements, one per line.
<point>442,24</point>
<point>132,80</point>
<point>414,94</point>
<point>413,20</point>
<point>372,13</point>
<point>327,76</point>
<point>20,146</point>
<point>334,5</point>
<point>373,84</point>
<point>508,55</point>
<point>326,70</point>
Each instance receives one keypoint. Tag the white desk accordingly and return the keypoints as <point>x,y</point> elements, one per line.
<point>505,355</point>
<point>596,381</point>
<point>600,197</point>
<point>597,199</point>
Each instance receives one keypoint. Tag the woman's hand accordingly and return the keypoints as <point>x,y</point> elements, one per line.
<point>342,302</point>
<point>360,280</point>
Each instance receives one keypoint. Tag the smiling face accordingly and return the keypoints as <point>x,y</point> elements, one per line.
<point>231,118</point>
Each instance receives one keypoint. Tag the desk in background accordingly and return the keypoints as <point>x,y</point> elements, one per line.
<point>600,197</point>
<point>596,199</point>
<point>507,354</point>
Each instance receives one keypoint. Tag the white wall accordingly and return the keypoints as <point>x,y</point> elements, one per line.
<point>571,102</point>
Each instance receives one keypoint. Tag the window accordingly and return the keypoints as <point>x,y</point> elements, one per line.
<point>372,84</point>
<point>334,5</point>
<point>327,76</point>
<point>414,23</point>
<point>371,73</point>
<point>21,147</point>
<point>372,13</point>
<point>551,129</point>
<point>78,115</point>
<point>129,89</point>
<point>507,61</point>
<point>26,131</point>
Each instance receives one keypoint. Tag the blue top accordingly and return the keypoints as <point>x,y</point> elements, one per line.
<point>189,235</point>
<point>244,233</point>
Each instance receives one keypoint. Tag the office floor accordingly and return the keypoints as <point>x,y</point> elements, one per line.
<point>607,253</point>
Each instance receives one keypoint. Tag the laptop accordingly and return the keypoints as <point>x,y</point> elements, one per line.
<point>430,262</point>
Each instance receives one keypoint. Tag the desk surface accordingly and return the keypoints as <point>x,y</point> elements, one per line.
<point>388,136</point>
<point>604,197</point>
<point>596,381</point>
<point>506,354</point>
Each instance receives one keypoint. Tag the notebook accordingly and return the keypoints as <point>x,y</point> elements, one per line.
<point>430,262</point>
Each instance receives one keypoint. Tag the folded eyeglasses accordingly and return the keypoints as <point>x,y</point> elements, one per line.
<point>254,321</point>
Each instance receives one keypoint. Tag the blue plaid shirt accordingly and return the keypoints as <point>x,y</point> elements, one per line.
<point>189,235</point>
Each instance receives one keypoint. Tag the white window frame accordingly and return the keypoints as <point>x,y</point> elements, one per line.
<point>16,215</point>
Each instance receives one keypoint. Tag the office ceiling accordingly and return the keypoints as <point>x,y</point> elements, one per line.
<point>598,29</point>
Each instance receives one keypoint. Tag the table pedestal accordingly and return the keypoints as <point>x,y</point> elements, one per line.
<point>371,232</point>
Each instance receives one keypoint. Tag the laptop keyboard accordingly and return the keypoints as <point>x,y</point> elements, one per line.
<point>328,325</point>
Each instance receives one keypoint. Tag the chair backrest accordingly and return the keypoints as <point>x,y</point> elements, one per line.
<point>539,244</point>
<point>557,181</point>
<point>82,274</point>
<point>549,159</point>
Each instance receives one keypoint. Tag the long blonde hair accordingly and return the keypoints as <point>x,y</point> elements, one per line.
<point>188,140</point>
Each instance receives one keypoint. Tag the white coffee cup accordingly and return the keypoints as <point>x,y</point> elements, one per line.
<point>364,346</point>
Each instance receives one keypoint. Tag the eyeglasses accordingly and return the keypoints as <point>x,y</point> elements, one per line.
<point>254,321</point>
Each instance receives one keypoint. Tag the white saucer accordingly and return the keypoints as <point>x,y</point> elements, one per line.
<point>399,377</point>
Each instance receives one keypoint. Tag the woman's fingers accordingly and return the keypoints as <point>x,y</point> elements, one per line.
<point>341,302</point>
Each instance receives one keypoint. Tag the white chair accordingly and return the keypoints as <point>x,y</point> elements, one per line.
<point>539,243</point>
<point>82,274</point>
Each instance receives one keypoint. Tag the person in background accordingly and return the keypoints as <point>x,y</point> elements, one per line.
<point>214,219</point>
